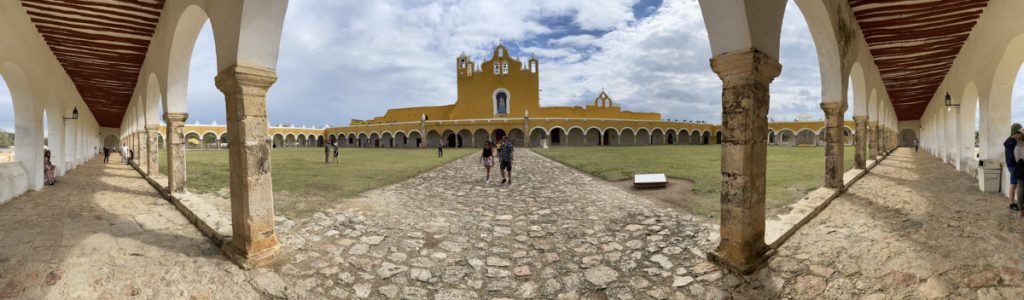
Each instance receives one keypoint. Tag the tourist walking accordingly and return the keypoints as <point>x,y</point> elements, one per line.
<point>131,156</point>
<point>106,154</point>
<point>335,153</point>
<point>506,156</point>
<point>440,149</point>
<point>487,159</point>
<point>1011,162</point>
<point>124,153</point>
<point>327,153</point>
<point>916,145</point>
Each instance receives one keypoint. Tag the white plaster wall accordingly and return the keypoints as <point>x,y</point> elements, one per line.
<point>13,180</point>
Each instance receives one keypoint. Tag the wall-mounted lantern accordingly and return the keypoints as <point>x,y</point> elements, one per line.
<point>74,114</point>
<point>949,103</point>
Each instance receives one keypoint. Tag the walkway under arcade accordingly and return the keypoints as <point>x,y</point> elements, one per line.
<point>913,210</point>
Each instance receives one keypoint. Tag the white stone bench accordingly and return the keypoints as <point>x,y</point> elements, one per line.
<point>648,181</point>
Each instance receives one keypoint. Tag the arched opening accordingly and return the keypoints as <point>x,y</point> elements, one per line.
<point>363,140</point>
<point>593,137</point>
<point>498,135</point>
<point>657,137</point>
<point>907,138</point>
<point>670,137</point>
<point>205,101</point>
<point>517,137</point>
<point>401,140</point>
<point>537,136</point>
<point>209,140</point>
<point>278,141</point>
<point>465,138</point>
<point>611,137</point>
<point>386,140</point>
<point>433,138</point>
<point>706,138</point>
<point>718,137</point>
<point>480,137</point>
<point>696,138</point>
<point>451,141</point>
<point>847,136</point>
<point>224,140</point>
<point>193,140</point>
<point>771,137</point>
<point>160,140</point>
<point>374,141</point>
<point>787,138</point>
<point>575,137</point>
<point>300,140</point>
<point>351,140</point>
<point>643,137</point>
<point>332,139</point>
<point>110,141</point>
<point>556,136</point>
<point>7,134</point>
<point>684,137</point>
<point>627,137</point>
<point>416,139</point>
<point>806,137</point>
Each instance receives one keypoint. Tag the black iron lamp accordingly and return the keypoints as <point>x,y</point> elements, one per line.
<point>74,114</point>
<point>949,102</point>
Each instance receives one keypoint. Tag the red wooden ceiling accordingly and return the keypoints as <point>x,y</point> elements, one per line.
<point>914,43</point>
<point>101,44</point>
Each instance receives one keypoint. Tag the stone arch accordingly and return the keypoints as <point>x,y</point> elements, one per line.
<point>657,137</point>
<point>387,140</point>
<point>362,140</point>
<point>351,139</point>
<point>847,136</point>
<point>997,116</point>
<point>627,137</point>
<point>594,137</point>
<point>319,141</point>
<point>465,138</point>
<point>705,138</point>
<point>300,140</point>
<point>806,137</point>
<point>480,137</point>
<point>771,137</point>
<point>449,138</point>
<point>643,137</point>
<point>497,134</point>
<point>332,139</point>
<point>696,138</point>
<point>610,137</point>
<point>907,137</point>
<point>517,137</point>
<point>193,140</point>
<point>557,136</point>
<point>671,137</point>
<point>401,139</point>
<point>537,136</point>
<point>415,138</point>
<point>684,137</point>
<point>786,138</point>
<point>210,140</point>
<point>373,141</point>
<point>575,137</point>
<point>433,138</point>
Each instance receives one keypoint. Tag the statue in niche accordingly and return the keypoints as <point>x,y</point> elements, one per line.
<point>502,103</point>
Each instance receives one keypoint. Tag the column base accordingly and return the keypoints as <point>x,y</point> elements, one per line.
<point>262,255</point>
<point>740,267</point>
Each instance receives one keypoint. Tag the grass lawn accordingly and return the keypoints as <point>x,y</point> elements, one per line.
<point>792,171</point>
<point>303,183</point>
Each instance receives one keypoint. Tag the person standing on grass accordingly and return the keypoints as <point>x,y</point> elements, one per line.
<point>106,154</point>
<point>440,149</point>
<point>335,153</point>
<point>487,158</point>
<point>506,156</point>
<point>1011,162</point>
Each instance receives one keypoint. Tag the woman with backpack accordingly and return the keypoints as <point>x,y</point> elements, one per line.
<point>487,159</point>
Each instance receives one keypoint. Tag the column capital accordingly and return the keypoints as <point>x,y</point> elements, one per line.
<point>152,127</point>
<point>833,108</point>
<point>860,118</point>
<point>872,123</point>
<point>745,67</point>
<point>175,117</point>
<point>243,76</point>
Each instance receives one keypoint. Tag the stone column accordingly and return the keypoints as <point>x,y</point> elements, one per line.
<point>746,76</point>
<point>134,147</point>
<point>175,140</point>
<point>152,154</point>
<point>872,140</point>
<point>140,154</point>
<point>253,243</point>
<point>860,146</point>
<point>834,143</point>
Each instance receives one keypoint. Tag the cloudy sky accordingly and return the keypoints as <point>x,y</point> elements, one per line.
<point>343,60</point>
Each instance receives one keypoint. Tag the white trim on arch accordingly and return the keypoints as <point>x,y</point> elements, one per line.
<point>508,101</point>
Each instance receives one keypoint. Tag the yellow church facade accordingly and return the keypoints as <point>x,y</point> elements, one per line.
<point>500,97</point>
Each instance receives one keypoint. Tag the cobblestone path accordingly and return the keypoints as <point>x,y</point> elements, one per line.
<point>104,233</point>
<point>445,234</point>
<point>913,228</point>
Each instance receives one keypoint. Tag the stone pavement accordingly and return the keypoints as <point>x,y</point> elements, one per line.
<point>912,228</point>
<point>103,232</point>
<point>445,234</point>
